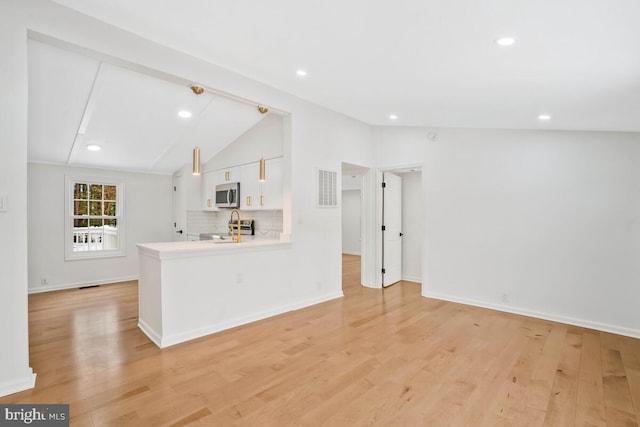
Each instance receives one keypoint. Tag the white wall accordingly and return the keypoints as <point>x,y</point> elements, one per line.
<point>351,222</point>
<point>314,137</point>
<point>351,182</point>
<point>412,226</point>
<point>535,222</point>
<point>15,373</point>
<point>147,209</point>
<point>321,139</point>
<point>262,140</point>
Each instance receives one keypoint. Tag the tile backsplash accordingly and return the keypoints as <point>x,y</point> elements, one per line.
<point>206,222</point>
<point>201,222</point>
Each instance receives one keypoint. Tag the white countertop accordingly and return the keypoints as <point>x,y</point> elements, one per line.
<point>165,250</point>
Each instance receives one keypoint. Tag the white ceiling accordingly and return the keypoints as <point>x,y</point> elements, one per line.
<point>431,62</point>
<point>75,101</point>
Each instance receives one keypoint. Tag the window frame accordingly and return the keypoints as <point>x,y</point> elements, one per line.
<point>69,253</point>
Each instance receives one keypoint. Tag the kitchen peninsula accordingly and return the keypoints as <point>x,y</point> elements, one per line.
<point>191,289</point>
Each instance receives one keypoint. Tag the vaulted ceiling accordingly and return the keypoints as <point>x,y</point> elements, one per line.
<point>76,101</point>
<point>428,62</point>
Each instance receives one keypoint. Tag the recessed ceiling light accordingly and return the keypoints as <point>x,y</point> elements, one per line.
<point>505,41</point>
<point>544,117</point>
<point>393,117</point>
<point>94,147</point>
<point>184,114</point>
<point>301,72</point>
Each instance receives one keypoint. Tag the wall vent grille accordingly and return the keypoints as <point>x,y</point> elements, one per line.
<point>327,188</point>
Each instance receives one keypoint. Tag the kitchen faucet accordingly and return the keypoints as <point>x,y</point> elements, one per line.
<point>237,236</point>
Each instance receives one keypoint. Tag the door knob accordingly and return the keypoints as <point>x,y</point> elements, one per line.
<point>179,231</point>
<point>401,234</point>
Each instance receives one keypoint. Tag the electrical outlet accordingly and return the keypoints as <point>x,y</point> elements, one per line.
<point>4,202</point>
<point>44,281</point>
<point>505,298</point>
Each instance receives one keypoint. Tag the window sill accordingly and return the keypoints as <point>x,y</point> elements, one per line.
<point>75,256</point>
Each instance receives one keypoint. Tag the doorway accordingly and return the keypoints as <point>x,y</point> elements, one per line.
<point>391,229</point>
<point>399,245</point>
<point>352,223</point>
<point>364,185</point>
<point>179,209</point>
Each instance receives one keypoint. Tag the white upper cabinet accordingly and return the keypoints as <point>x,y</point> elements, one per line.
<point>226,175</point>
<point>256,195</point>
<point>208,191</point>
<point>211,179</point>
<point>250,186</point>
<point>271,198</point>
<point>265,139</point>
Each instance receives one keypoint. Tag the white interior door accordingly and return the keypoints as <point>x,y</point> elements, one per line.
<point>391,229</point>
<point>179,209</point>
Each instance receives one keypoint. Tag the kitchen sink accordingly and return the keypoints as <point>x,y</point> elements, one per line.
<point>223,241</point>
<point>215,236</point>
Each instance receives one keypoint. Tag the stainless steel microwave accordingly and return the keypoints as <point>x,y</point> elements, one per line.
<point>228,195</point>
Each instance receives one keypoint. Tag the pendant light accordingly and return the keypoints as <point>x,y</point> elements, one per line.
<point>263,110</point>
<point>261,178</point>
<point>196,161</point>
<point>197,90</point>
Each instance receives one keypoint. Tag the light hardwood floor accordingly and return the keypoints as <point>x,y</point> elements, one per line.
<point>372,358</point>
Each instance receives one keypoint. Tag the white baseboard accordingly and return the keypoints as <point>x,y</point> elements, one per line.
<point>297,305</point>
<point>150,333</point>
<point>604,327</point>
<point>350,253</point>
<point>174,339</point>
<point>10,387</point>
<point>36,290</point>
<point>416,279</point>
<point>218,327</point>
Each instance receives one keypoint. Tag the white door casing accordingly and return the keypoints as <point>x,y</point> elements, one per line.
<point>391,228</point>
<point>179,209</point>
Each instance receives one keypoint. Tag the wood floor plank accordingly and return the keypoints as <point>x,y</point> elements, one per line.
<point>619,407</point>
<point>561,410</point>
<point>590,400</point>
<point>634,387</point>
<point>374,357</point>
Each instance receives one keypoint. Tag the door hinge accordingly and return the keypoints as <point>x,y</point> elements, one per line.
<point>174,188</point>
<point>384,185</point>
<point>384,228</point>
<point>384,271</point>
<point>174,224</point>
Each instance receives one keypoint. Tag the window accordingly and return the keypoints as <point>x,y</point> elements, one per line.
<point>95,224</point>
